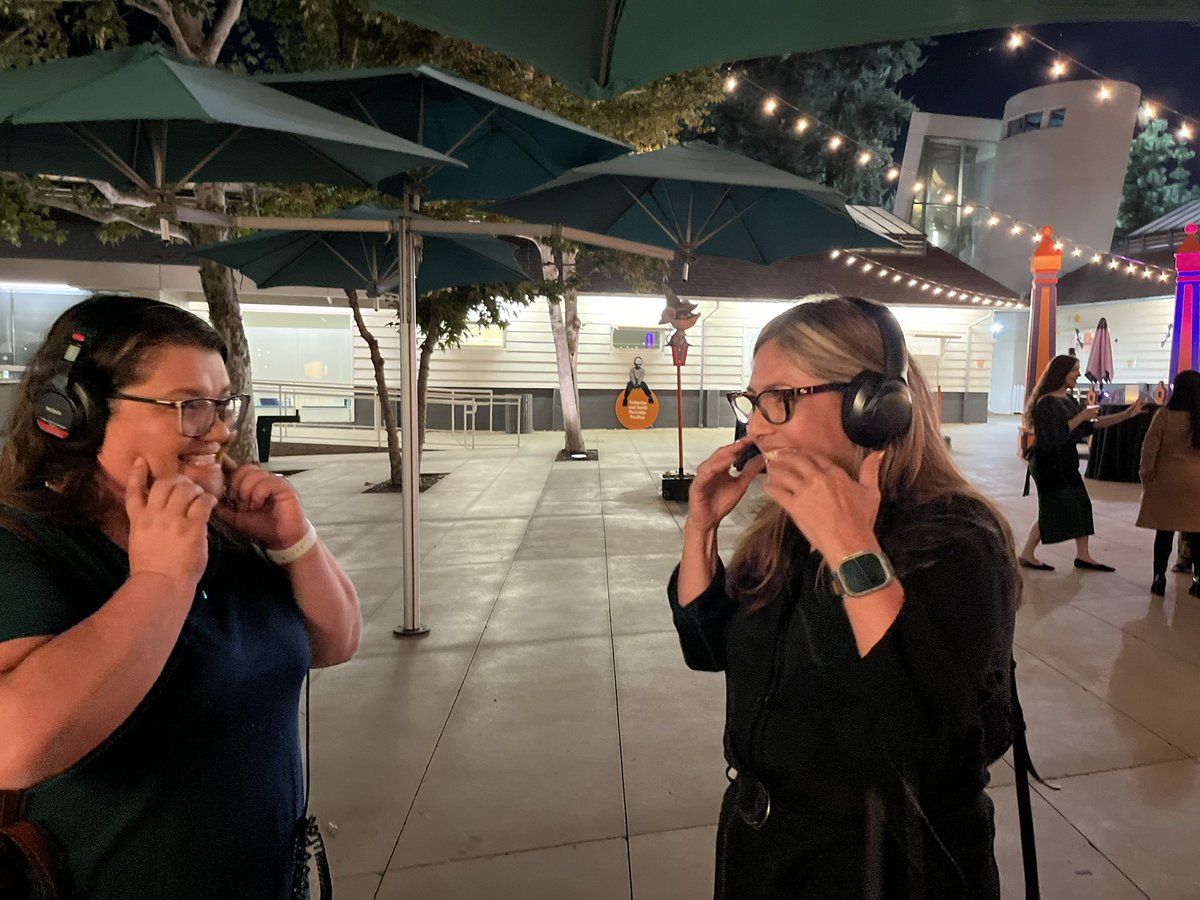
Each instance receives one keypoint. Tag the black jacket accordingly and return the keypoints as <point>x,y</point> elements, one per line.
<point>829,733</point>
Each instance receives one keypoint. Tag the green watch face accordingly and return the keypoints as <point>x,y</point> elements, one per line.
<point>862,573</point>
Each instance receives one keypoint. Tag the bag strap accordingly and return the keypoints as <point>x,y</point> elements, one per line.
<point>1024,767</point>
<point>43,864</point>
<point>10,807</point>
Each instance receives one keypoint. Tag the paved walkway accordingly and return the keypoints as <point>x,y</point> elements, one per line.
<point>545,740</point>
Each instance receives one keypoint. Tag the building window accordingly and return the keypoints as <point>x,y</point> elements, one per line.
<point>633,338</point>
<point>1057,117</point>
<point>485,336</point>
<point>1028,122</point>
<point>952,169</point>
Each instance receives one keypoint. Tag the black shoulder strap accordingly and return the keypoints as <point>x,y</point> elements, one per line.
<point>1025,768</point>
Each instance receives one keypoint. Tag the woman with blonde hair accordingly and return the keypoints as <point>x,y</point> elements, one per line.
<point>1170,472</point>
<point>864,625</point>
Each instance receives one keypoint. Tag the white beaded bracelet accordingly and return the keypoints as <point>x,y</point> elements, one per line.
<point>297,550</point>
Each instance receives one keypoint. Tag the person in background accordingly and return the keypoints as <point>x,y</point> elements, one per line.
<point>160,608</point>
<point>1059,423</point>
<point>1170,472</point>
<point>864,626</point>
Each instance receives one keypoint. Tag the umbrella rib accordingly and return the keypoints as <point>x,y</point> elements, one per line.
<point>716,208</point>
<point>449,151</point>
<point>740,213</point>
<point>353,268</point>
<point>362,108</point>
<point>102,149</point>
<point>208,157</point>
<point>653,218</point>
<point>611,14</point>
<point>357,179</point>
<point>674,217</point>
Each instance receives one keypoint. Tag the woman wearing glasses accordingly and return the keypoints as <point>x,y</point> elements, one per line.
<point>159,611</point>
<point>864,625</point>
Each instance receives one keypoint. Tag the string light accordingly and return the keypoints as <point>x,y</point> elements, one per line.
<point>1016,40</point>
<point>1115,264</point>
<point>864,157</point>
<point>867,267</point>
<point>948,197</point>
<point>1149,110</point>
<point>1105,92</point>
<point>770,105</point>
<point>897,277</point>
<point>1077,252</point>
<point>731,83</point>
<point>1058,245</point>
<point>942,291</point>
<point>834,254</point>
<point>1059,69</point>
<point>1147,273</point>
<point>836,140</point>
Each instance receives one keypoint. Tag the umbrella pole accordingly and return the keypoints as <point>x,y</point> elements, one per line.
<point>410,472</point>
<point>679,412</point>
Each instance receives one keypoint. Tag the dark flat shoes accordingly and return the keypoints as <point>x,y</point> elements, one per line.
<point>1093,567</point>
<point>1040,566</point>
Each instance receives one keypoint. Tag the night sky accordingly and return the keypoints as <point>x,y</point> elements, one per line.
<point>973,74</point>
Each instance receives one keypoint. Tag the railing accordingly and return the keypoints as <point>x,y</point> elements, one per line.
<point>471,404</point>
<point>337,413</point>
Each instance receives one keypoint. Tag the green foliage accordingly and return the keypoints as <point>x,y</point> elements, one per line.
<point>326,34</point>
<point>1156,181</point>
<point>852,90</point>
<point>448,315</point>
<point>20,218</point>
<point>33,31</point>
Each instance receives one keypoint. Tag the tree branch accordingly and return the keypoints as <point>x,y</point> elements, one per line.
<point>165,13</point>
<point>220,32</point>
<point>99,216</point>
<point>117,198</point>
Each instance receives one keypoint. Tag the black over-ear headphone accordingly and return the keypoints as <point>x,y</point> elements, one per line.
<point>877,408</point>
<point>73,405</point>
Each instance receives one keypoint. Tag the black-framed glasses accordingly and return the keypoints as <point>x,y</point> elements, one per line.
<point>775,405</point>
<point>198,415</point>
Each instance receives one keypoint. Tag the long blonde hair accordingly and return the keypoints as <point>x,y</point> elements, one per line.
<point>834,340</point>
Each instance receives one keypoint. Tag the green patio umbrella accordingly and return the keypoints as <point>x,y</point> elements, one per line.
<point>366,262</point>
<point>508,146</point>
<point>697,198</point>
<point>142,117</point>
<point>603,48</point>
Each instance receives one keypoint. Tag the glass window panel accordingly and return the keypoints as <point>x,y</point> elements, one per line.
<point>1058,117</point>
<point>1032,121</point>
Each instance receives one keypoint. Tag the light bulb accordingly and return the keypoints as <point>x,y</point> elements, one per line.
<point>864,157</point>
<point>1115,264</point>
<point>770,105</point>
<point>1130,269</point>
<point>925,287</point>
<point>1017,229</point>
<point>1164,276</point>
<point>893,173</point>
<point>1058,245</point>
<point>1096,257</point>
<point>1059,69</point>
<point>731,83</point>
<point>1147,273</point>
<point>1016,40</point>
<point>937,290</point>
<point>918,186</point>
<point>993,221</point>
<point>834,254</point>
<point>801,125</point>
<point>1149,110</point>
<point>912,282</point>
<point>1077,252</point>
<point>948,197</point>
<point>968,209</point>
<point>850,260</point>
<point>897,277</point>
<point>1185,132</point>
<point>1105,92</point>
<point>867,267</point>
<point>835,142</point>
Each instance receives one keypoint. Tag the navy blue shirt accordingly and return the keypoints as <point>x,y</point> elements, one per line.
<point>197,793</point>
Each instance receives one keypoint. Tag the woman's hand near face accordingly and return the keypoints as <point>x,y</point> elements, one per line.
<point>263,507</point>
<point>714,493</point>
<point>168,526</point>
<point>834,511</point>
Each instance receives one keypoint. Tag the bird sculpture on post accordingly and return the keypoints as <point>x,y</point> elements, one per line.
<point>681,315</point>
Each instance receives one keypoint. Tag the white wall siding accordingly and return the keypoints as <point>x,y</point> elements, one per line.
<point>1138,329</point>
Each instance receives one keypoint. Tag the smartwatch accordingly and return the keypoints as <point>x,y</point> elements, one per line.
<point>862,573</point>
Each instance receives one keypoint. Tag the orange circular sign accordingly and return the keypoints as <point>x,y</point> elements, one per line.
<point>638,411</point>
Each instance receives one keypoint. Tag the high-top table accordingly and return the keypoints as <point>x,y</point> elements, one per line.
<point>1116,451</point>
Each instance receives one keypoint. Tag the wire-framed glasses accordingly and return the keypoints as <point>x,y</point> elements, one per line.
<point>775,405</point>
<point>198,415</point>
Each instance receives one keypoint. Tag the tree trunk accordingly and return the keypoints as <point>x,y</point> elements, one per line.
<point>565,330</point>
<point>395,460</point>
<point>225,312</point>
<point>567,386</point>
<point>427,347</point>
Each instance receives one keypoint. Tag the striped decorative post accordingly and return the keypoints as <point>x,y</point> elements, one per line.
<point>1185,334</point>
<point>1043,306</point>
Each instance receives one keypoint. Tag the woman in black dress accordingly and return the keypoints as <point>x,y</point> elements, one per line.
<point>864,626</point>
<point>1059,423</point>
